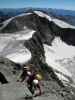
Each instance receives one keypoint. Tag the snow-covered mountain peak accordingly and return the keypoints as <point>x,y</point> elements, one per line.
<point>41,14</point>
<point>57,21</point>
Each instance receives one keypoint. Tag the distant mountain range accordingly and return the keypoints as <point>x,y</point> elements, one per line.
<point>13,12</point>
<point>67,15</point>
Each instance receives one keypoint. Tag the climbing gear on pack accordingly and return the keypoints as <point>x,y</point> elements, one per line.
<point>39,76</point>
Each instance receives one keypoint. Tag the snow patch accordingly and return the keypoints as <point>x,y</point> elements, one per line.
<point>20,57</point>
<point>25,36</point>
<point>3,42</point>
<point>5,23</point>
<point>59,50</point>
<point>41,14</point>
<point>62,24</point>
<point>61,77</point>
<point>23,14</point>
<point>56,66</point>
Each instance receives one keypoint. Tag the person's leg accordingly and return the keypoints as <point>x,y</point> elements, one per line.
<point>31,88</point>
<point>39,90</point>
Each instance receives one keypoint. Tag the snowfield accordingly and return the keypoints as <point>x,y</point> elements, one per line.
<point>13,49</point>
<point>59,50</point>
<point>21,57</point>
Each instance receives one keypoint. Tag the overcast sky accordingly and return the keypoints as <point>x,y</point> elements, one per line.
<point>62,4</point>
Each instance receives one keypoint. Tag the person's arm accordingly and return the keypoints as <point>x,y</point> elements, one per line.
<point>22,79</point>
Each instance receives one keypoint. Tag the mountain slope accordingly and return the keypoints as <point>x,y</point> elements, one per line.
<point>42,39</point>
<point>46,29</point>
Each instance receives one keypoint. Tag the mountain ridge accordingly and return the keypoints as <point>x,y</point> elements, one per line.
<point>60,13</point>
<point>39,45</point>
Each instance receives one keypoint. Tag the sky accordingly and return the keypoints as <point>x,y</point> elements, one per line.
<point>59,4</point>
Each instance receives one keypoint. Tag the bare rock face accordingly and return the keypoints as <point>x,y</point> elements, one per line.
<point>30,38</point>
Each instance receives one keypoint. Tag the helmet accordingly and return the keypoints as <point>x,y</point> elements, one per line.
<point>39,76</point>
<point>26,68</point>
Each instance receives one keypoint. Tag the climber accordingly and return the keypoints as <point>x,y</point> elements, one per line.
<point>33,80</point>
